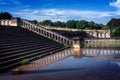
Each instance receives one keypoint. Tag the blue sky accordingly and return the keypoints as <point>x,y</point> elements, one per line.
<point>100,11</point>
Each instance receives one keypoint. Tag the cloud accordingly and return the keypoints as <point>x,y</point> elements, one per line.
<point>64,15</point>
<point>55,14</point>
<point>115,4</point>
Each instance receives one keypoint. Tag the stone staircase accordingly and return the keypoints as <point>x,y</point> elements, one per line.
<point>17,44</point>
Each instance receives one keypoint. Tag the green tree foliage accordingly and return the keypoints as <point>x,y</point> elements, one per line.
<point>59,24</point>
<point>116,32</point>
<point>34,21</point>
<point>47,23</point>
<point>75,24</point>
<point>82,24</point>
<point>5,15</point>
<point>114,25</point>
<point>71,24</point>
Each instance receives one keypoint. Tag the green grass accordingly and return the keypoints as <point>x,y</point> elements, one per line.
<point>24,61</point>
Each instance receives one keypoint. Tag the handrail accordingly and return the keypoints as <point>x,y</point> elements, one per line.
<point>46,33</point>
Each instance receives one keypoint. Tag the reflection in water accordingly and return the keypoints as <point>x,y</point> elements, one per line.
<point>96,54</point>
<point>71,64</point>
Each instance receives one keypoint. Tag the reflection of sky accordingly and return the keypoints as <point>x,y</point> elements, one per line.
<point>72,68</point>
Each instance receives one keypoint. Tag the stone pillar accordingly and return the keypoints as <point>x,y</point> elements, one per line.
<point>76,43</point>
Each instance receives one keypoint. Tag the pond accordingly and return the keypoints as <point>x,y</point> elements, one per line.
<point>71,64</point>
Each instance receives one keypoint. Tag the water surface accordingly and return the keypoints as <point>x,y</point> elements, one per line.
<point>71,64</point>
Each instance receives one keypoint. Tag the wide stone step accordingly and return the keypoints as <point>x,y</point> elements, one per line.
<point>17,42</point>
<point>32,58</point>
<point>23,47</point>
<point>33,54</point>
<point>23,50</point>
<point>27,44</point>
<point>20,54</point>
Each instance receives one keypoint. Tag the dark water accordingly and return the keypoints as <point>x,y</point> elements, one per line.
<point>84,64</point>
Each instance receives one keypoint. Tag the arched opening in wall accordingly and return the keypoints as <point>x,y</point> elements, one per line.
<point>28,27</point>
<point>58,38</point>
<point>104,35</point>
<point>53,36</point>
<point>36,29</point>
<point>47,34</point>
<point>33,28</point>
<point>61,39</point>
<point>65,40</point>
<point>68,42</point>
<point>97,34</point>
<point>100,35</point>
<point>50,35</point>
<point>39,30</point>
<point>42,32</point>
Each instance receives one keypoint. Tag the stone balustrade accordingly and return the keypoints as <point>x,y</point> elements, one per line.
<point>95,35</point>
<point>12,22</point>
<point>46,33</point>
<point>91,33</point>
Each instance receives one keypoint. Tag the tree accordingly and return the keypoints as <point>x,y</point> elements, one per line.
<point>114,25</point>
<point>71,24</point>
<point>47,23</point>
<point>82,24</point>
<point>116,32</point>
<point>5,15</point>
<point>58,24</point>
<point>34,21</point>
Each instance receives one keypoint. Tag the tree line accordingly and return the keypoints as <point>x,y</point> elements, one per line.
<point>113,24</point>
<point>5,15</point>
<point>74,24</point>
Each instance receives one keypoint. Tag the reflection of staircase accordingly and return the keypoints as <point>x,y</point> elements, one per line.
<point>17,44</point>
<point>40,63</point>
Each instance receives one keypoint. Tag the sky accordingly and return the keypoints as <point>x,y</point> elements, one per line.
<point>99,11</point>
